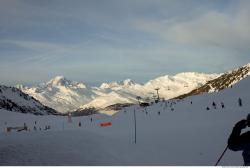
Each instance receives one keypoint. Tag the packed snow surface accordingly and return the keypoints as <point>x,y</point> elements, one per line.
<point>186,135</point>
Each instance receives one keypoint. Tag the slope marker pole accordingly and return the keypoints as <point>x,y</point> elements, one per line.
<point>135,125</point>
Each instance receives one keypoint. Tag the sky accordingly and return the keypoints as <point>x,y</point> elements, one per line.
<point>95,41</point>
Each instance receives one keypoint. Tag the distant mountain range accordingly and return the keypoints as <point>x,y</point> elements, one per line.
<point>65,95</point>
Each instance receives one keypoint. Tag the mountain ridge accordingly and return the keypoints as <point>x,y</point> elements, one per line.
<point>13,99</point>
<point>65,95</point>
<point>226,80</point>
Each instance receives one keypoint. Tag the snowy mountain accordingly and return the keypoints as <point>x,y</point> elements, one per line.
<point>61,94</point>
<point>65,95</point>
<point>170,86</point>
<point>13,99</point>
<point>125,83</point>
<point>226,80</point>
<point>125,92</point>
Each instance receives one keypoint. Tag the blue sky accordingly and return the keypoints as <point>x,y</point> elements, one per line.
<point>96,41</point>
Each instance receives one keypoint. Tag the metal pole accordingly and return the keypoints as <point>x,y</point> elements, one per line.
<point>135,125</point>
<point>221,156</point>
<point>158,94</point>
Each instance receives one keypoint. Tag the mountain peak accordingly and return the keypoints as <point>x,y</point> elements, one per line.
<point>59,81</point>
<point>62,81</point>
<point>127,82</point>
<point>247,66</point>
<point>59,77</point>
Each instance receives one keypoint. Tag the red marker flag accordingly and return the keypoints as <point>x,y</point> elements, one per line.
<point>106,124</point>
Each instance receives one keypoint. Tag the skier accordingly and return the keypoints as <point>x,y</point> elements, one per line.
<point>69,118</point>
<point>214,105</point>
<point>222,105</point>
<point>208,108</point>
<point>80,124</point>
<point>241,142</point>
<point>25,127</point>
<point>240,102</point>
<point>159,113</point>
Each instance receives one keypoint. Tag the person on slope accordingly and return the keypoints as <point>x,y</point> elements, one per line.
<point>222,105</point>
<point>241,142</point>
<point>240,102</point>
<point>214,105</point>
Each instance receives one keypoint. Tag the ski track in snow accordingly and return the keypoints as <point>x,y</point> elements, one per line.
<point>189,135</point>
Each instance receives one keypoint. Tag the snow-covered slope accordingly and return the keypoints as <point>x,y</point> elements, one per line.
<point>104,101</point>
<point>170,86</point>
<point>13,99</point>
<point>187,135</point>
<point>226,80</point>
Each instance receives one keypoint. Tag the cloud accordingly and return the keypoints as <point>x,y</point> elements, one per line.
<point>117,38</point>
<point>212,28</point>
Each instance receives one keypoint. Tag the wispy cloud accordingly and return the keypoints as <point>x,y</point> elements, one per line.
<point>212,28</point>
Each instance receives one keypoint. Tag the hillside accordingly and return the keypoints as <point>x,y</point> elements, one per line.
<point>13,99</point>
<point>224,81</point>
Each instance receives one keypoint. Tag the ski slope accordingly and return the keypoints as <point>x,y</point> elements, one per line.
<point>186,135</point>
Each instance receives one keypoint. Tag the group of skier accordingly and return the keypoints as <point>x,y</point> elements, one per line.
<point>35,128</point>
<point>223,105</point>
